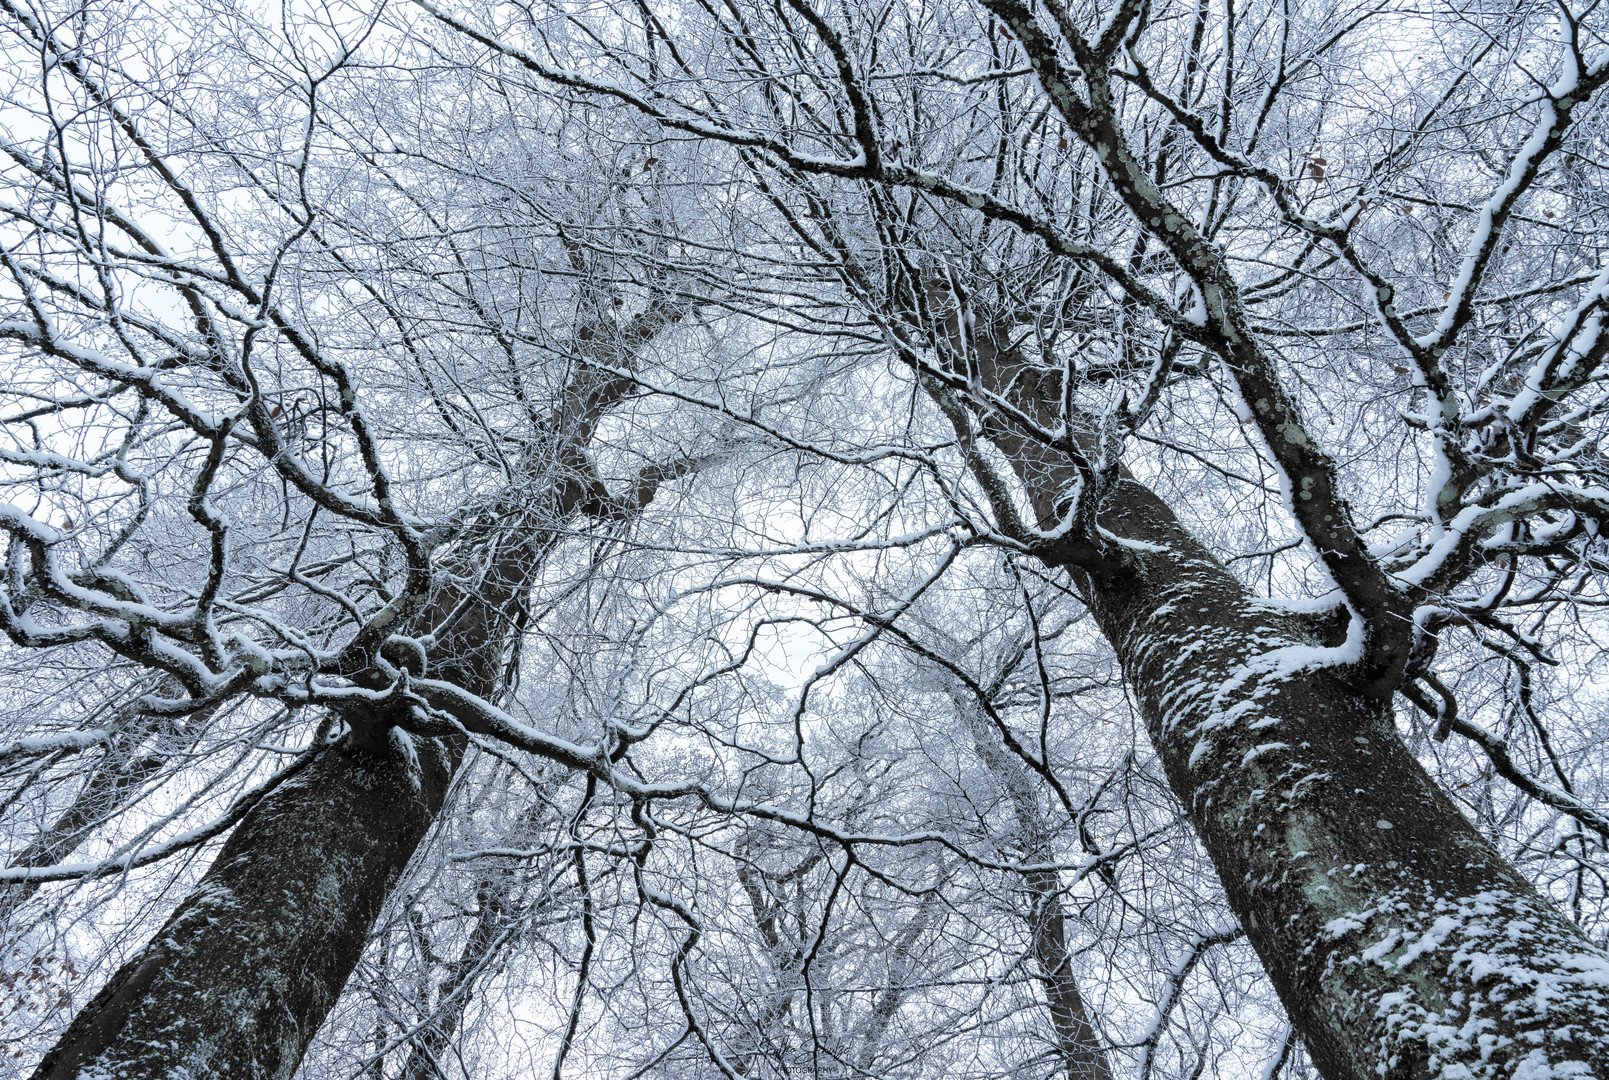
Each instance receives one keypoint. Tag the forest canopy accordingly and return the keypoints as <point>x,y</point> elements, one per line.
<point>702,538</point>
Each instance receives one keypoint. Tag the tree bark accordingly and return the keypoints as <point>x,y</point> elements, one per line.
<point>240,978</point>
<point>1402,944</point>
<point>1400,941</point>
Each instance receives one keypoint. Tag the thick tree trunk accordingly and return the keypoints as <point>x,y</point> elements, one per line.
<point>1400,941</point>
<point>239,979</point>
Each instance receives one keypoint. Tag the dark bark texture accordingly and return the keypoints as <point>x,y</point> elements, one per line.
<point>1403,945</point>
<point>1400,941</point>
<point>238,980</point>
<point>1077,1042</point>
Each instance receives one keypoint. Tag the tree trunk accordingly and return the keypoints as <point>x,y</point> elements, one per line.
<point>239,979</point>
<point>244,972</point>
<point>1078,1044</point>
<point>1400,941</point>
